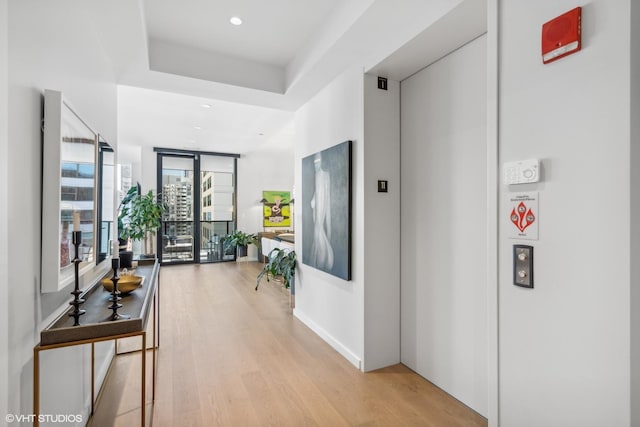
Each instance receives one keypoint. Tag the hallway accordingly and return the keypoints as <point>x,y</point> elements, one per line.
<point>231,356</point>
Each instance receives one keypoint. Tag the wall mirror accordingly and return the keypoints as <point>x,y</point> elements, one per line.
<point>106,194</point>
<point>68,193</point>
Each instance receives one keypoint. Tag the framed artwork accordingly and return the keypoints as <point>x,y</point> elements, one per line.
<point>276,208</point>
<point>326,210</point>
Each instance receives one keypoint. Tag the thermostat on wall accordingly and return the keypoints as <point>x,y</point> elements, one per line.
<point>522,172</point>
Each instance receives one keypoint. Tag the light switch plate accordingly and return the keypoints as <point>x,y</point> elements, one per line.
<point>523,266</point>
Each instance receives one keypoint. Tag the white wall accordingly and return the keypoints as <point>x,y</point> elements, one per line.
<point>51,45</point>
<point>564,345</point>
<point>443,222</point>
<point>493,366</point>
<point>4,204</point>
<point>382,225</point>
<point>635,213</point>
<point>268,168</point>
<point>332,307</point>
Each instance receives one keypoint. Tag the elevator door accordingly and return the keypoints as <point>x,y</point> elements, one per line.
<point>444,326</point>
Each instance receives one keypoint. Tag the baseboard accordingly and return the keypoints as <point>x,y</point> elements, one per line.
<point>337,345</point>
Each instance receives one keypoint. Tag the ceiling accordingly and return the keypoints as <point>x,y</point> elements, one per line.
<point>155,118</point>
<point>170,58</point>
<point>289,24</point>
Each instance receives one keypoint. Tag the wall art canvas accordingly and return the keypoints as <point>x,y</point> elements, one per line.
<point>326,210</point>
<point>276,209</point>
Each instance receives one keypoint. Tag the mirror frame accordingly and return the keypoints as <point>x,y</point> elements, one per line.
<point>54,277</point>
<point>104,147</point>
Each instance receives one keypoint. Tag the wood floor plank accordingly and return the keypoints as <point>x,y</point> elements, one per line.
<point>232,356</point>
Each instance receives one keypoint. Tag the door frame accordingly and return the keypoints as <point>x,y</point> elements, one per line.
<point>195,156</point>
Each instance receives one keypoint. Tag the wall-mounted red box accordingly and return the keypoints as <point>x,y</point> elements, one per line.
<point>562,36</point>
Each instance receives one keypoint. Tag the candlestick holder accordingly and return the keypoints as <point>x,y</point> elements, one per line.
<point>77,301</point>
<point>115,293</point>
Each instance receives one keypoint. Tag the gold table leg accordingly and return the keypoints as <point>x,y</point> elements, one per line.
<point>144,376</point>
<point>36,386</point>
<point>153,352</point>
<point>93,377</point>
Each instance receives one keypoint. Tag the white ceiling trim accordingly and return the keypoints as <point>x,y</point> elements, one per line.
<point>469,21</point>
<point>205,65</point>
<point>340,21</point>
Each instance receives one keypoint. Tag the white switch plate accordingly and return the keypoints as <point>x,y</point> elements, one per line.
<point>521,172</point>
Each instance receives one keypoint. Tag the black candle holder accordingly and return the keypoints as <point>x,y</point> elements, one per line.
<point>77,301</point>
<point>115,293</point>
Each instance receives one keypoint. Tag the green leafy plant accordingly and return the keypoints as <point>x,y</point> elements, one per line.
<point>239,238</point>
<point>281,263</point>
<point>144,218</point>
<point>123,213</point>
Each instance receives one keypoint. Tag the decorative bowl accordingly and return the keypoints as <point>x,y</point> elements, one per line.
<point>126,284</point>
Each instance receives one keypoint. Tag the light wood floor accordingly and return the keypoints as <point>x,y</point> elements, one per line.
<point>230,356</point>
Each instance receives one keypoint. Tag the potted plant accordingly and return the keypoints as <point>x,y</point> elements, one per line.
<point>281,263</point>
<point>123,212</point>
<point>240,240</point>
<point>144,219</point>
<point>126,256</point>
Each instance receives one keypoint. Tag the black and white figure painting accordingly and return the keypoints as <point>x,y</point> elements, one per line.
<point>326,210</point>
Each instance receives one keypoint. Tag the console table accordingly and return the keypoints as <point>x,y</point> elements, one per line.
<point>285,242</point>
<point>270,241</point>
<point>95,326</point>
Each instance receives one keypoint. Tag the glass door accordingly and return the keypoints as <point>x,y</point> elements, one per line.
<point>177,177</point>
<point>199,192</point>
<point>217,207</point>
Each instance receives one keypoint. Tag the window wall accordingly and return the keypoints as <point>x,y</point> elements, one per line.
<point>199,192</point>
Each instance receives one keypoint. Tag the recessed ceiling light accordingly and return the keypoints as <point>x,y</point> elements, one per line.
<point>197,128</point>
<point>235,20</point>
<point>206,105</point>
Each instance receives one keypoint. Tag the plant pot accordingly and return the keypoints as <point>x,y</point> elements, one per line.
<point>241,250</point>
<point>126,259</point>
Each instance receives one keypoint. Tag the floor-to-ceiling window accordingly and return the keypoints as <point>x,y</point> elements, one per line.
<point>198,190</point>
<point>217,215</point>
